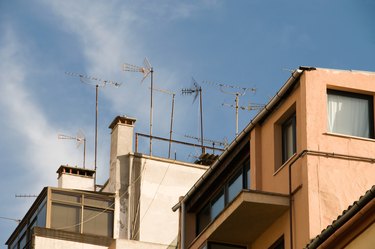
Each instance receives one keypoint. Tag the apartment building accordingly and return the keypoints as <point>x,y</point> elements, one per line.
<point>132,210</point>
<point>290,173</point>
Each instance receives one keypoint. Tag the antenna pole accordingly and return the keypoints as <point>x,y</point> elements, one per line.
<point>96,132</point>
<point>151,109</point>
<point>170,133</point>
<point>237,114</point>
<point>201,110</point>
<point>84,153</point>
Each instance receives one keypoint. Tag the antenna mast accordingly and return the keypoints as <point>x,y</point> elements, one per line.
<point>145,70</point>
<point>97,82</point>
<point>237,93</point>
<point>196,89</point>
<point>80,138</point>
<point>172,112</point>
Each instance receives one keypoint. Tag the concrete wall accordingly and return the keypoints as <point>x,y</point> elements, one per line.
<point>162,182</point>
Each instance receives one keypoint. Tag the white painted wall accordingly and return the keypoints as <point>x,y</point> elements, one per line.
<point>48,243</point>
<point>162,183</point>
<point>76,182</point>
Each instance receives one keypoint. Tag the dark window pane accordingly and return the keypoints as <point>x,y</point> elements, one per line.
<point>247,180</point>
<point>235,186</point>
<point>66,197</point>
<point>41,217</point>
<point>224,246</point>
<point>203,219</point>
<point>66,217</point>
<point>97,222</point>
<point>289,138</point>
<point>217,205</point>
<point>98,202</point>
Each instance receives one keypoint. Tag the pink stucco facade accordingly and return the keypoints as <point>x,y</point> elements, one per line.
<point>329,171</point>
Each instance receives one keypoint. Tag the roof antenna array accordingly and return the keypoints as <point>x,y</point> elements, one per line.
<point>146,70</point>
<point>237,92</point>
<point>196,90</point>
<point>6,218</point>
<point>97,82</point>
<point>80,138</point>
<point>213,142</point>
<point>25,196</point>
<point>172,113</point>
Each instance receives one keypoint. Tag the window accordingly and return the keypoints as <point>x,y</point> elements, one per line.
<point>212,245</point>
<point>217,205</point>
<point>288,138</point>
<point>279,244</point>
<point>229,190</point>
<point>235,186</point>
<point>82,213</point>
<point>350,113</point>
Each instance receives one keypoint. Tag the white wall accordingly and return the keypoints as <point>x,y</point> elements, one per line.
<point>48,243</point>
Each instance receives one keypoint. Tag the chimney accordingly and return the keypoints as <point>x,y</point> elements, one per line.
<point>122,132</point>
<point>122,129</point>
<point>75,178</point>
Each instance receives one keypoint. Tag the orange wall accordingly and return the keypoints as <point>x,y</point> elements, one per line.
<point>329,185</point>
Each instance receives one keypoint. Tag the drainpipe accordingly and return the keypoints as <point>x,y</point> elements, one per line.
<point>291,197</point>
<point>182,225</point>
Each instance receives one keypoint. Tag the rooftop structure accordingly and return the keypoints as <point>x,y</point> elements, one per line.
<point>127,212</point>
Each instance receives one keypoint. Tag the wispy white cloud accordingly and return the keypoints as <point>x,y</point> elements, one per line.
<point>22,116</point>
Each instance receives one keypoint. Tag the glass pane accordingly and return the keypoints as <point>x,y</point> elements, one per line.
<point>217,206</point>
<point>224,246</point>
<point>235,186</point>
<point>97,222</point>
<point>66,196</point>
<point>247,178</point>
<point>348,115</point>
<point>203,219</point>
<point>288,139</point>
<point>97,202</point>
<point>23,241</point>
<point>66,217</point>
<point>41,217</point>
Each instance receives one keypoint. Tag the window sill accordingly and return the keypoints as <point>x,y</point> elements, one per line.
<point>284,164</point>
<point>349,136</point>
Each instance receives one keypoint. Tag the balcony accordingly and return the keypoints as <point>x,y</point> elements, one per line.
<point>246,218</point>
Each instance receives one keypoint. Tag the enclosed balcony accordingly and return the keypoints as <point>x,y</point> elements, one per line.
<point>244,219</point>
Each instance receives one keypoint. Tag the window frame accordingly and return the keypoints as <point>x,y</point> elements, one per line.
<point>367,97</point>
<point>242,170</point>
<point>280,241</point>
<point>289,122</point>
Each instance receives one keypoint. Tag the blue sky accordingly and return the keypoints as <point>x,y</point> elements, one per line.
<point>252,43</point>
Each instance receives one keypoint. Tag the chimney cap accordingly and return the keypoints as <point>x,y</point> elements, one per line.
<point>77,170</point>
<point>122,120</point>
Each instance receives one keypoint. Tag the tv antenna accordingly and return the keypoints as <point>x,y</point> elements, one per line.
<point>25,196</point>
<point>196,90</point>
<point>146,70</point>
<point>172,113</point>
<point>213,142</point>
<point>6,218</point>
<point>97,82</point>
<point>80,139</point>
<point>237,92</point>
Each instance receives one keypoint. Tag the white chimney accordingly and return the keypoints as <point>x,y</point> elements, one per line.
<point>75,178</point>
